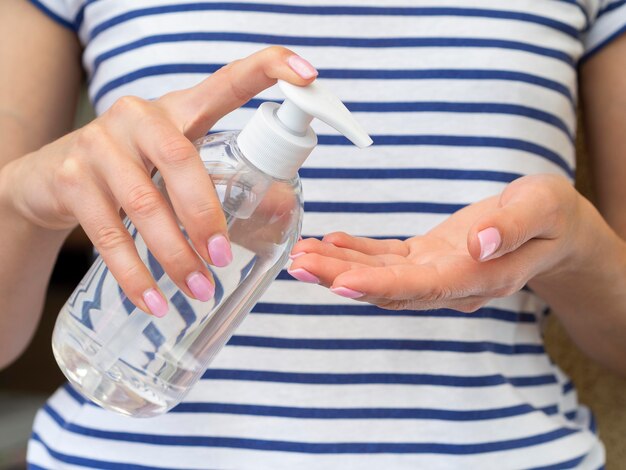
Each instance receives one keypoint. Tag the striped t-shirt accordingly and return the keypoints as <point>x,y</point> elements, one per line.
<point>461,97</point>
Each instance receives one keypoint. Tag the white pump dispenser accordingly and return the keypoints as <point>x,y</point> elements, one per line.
<point>130,362</point>
<point>278,139</point>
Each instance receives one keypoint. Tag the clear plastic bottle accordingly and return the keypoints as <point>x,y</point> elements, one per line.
<point>136,364</point>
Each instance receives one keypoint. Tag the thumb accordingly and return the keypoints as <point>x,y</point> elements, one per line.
<point>518,219</point>
<point>195,110</point>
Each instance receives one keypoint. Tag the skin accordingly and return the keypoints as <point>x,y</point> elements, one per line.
<point>552,239</point>
<point>51,180</point>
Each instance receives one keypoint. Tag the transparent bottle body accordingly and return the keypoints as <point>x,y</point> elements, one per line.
<point>128,361</point>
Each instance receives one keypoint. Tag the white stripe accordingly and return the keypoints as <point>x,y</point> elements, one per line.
<point>380,361</point>
<point>409,328</point>
<point>400,190</point>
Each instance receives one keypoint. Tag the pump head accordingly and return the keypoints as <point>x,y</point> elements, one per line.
<point>278,139</point>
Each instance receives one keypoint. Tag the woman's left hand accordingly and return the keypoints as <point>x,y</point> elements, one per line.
<point>488,249</point>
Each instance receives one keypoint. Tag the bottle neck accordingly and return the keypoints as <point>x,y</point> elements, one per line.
<point>273,148</point>
<point>293,119</point>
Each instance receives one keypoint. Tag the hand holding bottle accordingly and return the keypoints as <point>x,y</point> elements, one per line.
<point>86,177</point>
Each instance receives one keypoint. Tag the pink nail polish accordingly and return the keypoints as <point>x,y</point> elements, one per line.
<point>302,67</point>
<point>296,255</point>
<point>345,292</point>
<point>303,275</point>
<point>200,286</point>
<point>219,251</point>
<point>490,240</point>
<point>155,302</point>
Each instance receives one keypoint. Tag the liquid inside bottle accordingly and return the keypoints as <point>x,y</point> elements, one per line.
<point>128,361</point>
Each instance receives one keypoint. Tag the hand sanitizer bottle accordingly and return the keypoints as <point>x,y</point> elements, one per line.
<point>128,361</point>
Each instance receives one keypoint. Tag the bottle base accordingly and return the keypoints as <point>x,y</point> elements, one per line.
<point>117,388</point>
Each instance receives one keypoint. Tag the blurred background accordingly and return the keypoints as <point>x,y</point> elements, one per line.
<point>26,384</point>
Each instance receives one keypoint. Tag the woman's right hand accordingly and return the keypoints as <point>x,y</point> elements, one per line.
<point>86,176</point>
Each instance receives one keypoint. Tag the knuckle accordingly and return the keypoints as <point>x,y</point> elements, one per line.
<point>336,238</point>
<point>309,245</point>
<point>275,53</point>
<point>143,200</point>
<point>127,278</point>
<point>70,173</point>
<point>518,234</point>
<point>88,138</point>
<point>127,106</point>
<point>177,152</point>
<point>177,256</point>
<point>110,238</point>
<point>314,262</point>
<point>207,209</point>
<point>238,90</point>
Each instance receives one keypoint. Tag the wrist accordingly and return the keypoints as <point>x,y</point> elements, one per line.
<point>590,248</point>
<point>14,211</point>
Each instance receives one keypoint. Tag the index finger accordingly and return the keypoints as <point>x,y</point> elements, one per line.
<point>195,110</point>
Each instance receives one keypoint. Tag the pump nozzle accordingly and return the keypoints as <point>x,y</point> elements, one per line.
<point>278,139</point>
<point>315,101</point>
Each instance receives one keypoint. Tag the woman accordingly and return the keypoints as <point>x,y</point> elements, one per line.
<point>472,110</point>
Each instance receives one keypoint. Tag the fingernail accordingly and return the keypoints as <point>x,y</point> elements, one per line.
<point>200,286</point>
<point>219,251</point>
<point>155,302</point>
<point>296,255</point>
<point>490,240</point>
<point>345,292</point>
<point>302,67</point>
<point>303,275</point>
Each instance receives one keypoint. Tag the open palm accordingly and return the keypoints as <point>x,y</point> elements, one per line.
<point>488,249</point>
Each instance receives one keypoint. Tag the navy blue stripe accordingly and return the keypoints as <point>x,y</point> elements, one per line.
<point>459,141</point>
<point>338,10</point>
<point>449,107</point>
<point>313,448</point>
<point>318,41</point>
<point>80,16</point>
<point>600,46</point>
<point>88,463</point>
<point>382,207</point>
<point>32,466</point>
<point>408,173</point>
<point>377,378</point>
<point>385,344</point>
<point>361,413</point>
<point>610,7</point>
<point>372,310</point>
<point>359,74</point>
<point>568,387</point>
<point>52,15</point>
<point>571,415</point>
<point>572,463</point>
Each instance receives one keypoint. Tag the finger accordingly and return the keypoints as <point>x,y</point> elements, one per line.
<point>420,283</point>
<point>154,220</point>
<point>197,109</point>
<point>368,246</point>
<point>318,269</point>
<point>190,189</point>
<point>100,220</point>
<point>313,245</point>
<point>528,208</point>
